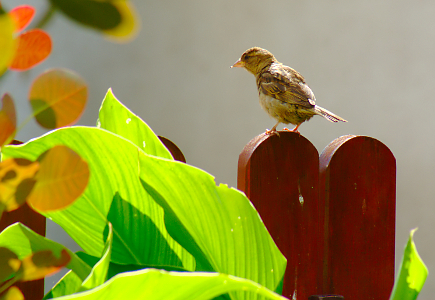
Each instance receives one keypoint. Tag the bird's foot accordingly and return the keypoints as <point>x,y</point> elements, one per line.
<point>293,130</point>
<point>272,132</point>
<point>296,129</point>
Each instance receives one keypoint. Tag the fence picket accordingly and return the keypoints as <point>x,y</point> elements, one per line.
<point>280,175</point>
<point>358,183</point>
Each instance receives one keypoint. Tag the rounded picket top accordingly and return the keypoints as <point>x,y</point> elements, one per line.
<point>281,153</point>
<point>280,175</point>
<point>175,151</point>
<point>358,185</point>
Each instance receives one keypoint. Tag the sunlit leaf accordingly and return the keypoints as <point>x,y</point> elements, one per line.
<point>22,16</point>
<point>16,181</point>
<point>13,293</point>
<point>412,273</point>
<point>42,263</point>
<point>157,284</point>
<point>70,283</point>
<point>99,272</point>
<point>8,43</point>
<point>128,28</point>
<point>117,118</point>
<point>101,15</point>
<point>58,98</point>
<point>33,47</point>
<point>8,120</point>
<point>216,224</point>
<point>9,263</point>
<point>61,179</point>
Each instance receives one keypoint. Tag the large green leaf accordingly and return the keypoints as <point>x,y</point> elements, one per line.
<point>117,118</point>
<point>23,242</point>
<point>412,273</point>
<point>115,195</point>
<point>154,284</point>
<point>217,224</point>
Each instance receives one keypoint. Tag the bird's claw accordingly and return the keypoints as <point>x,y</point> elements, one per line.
<point>272,132</point>
<point>293,130</point>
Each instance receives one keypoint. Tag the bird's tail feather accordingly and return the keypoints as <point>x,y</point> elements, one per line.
<point>328,115</point>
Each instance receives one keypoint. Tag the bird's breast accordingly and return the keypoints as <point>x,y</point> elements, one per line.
<point>285,112</point>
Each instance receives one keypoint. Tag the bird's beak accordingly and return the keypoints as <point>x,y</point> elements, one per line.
<point>238,64</point>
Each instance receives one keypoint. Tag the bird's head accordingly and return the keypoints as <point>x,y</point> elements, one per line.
<point>255,59</point>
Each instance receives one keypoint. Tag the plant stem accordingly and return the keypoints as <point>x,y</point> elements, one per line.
<point>27,120</point>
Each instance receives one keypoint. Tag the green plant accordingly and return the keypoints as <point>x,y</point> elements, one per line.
<point>165,215</point>
<point>412,273</point>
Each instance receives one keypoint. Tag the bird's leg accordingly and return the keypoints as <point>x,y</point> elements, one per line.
<point>273,130</point>
<point>296,128</point>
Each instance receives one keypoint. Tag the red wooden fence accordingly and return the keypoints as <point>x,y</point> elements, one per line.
<point>333,218</point>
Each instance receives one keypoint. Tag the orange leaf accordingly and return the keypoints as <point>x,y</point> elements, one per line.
<point>128,28</point>
<point>22,16</point>
<point>42,263</point>
<point>12,293</point>
<point>58,98</point>
<point>33,47</point>
<point>9,264</point>
<point>8,120</point>
<point>16,181</point>
<point>62,178</point>
<point>8,43</point>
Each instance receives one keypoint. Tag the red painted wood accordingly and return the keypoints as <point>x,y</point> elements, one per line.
<point>278,173</point>
<point>358,183</point>
<point>32,290</point>
<point>175,151</point>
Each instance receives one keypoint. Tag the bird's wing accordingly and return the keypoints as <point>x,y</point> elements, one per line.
<point>287,85</point>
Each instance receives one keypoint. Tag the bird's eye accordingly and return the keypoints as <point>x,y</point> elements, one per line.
<point>247,57</point>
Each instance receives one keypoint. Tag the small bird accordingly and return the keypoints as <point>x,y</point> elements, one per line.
<point>283,93</point>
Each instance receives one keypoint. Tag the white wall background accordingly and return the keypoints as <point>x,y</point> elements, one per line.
<point>371,62</point>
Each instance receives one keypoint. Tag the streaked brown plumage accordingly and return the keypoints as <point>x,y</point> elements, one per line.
<point>283,93</point>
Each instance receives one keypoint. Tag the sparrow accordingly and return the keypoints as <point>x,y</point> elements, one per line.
<point>282,91</point>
